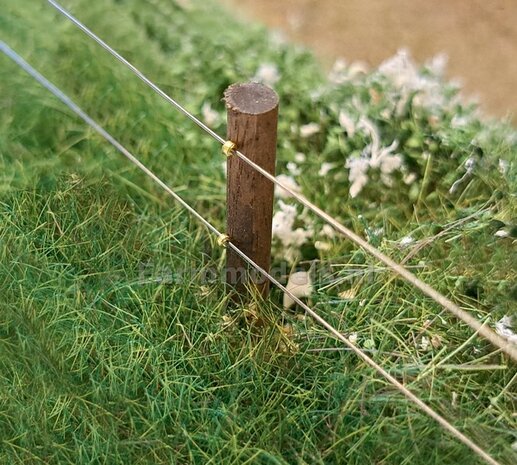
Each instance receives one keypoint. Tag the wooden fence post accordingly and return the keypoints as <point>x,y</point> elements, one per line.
<point>252,112</point>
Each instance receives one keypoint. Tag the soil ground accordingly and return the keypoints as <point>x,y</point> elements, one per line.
<point>480,37</point>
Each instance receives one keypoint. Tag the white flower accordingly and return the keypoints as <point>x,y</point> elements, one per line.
<point>470,164</point>
<point>347,123</point>
<point>323,246</point>
<point>317,93</point>
<point>458,122</point>
<point>309,130</point>
<point>386,180</point>
<point>469,169</point>
<point>502,233</point>
<point>390,163</point>
<point>504,328</point>
<point>352,337</point>
<point>437,64</point>
<point>406,241</point>
<point>338,74</point>
<point>385,159</point>
<point>357,68</point>
<point>409,178</point>
<point>357,175</point>
<point>373,156</point>
<point>283,228</point>
<point>371,130</point>
<point>267,74</point>
<point>287,181</point>
<point>403,73</point>
<point>400,69</point>
<point>283,221</point>
<point>293,169</point>
<point>300,285</point>
<point>325,168</point>
<point>299,157</point>
<point>503,166</point>
<point>511,138</point>
<point>425,343</point>
<point>341,72</point>
<point>386,113</point>
<point>328,231</point>
<point>210,116</point>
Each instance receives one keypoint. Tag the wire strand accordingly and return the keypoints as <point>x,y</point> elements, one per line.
<point>368,360</point>
<point>136,71</point>
<point>399,269</point>
<point>76,109</point>
<point>506,346</point>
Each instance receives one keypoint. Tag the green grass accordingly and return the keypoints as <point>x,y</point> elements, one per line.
<point>106,356</point>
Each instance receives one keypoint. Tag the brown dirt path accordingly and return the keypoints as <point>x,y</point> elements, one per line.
<point>479,36</point>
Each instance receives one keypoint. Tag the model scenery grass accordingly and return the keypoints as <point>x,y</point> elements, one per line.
<point>117,340</point>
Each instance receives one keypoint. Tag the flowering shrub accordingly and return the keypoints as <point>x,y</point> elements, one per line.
<point>389,136</point>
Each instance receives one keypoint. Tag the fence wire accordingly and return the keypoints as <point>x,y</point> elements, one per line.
<point>320,320</point>
<point>399,269</point>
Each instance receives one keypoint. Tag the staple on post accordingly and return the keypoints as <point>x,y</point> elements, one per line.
<point>252,113</point>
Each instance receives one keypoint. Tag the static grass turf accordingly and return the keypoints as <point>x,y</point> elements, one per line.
<point>117,342</point>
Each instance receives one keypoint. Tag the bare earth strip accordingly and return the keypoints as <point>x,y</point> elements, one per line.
<point>480,37</point>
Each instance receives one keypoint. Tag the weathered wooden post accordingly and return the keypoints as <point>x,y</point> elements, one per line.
<point>252,112</point>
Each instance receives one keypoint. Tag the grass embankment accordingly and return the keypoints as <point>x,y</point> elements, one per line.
<point>101,362</point>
